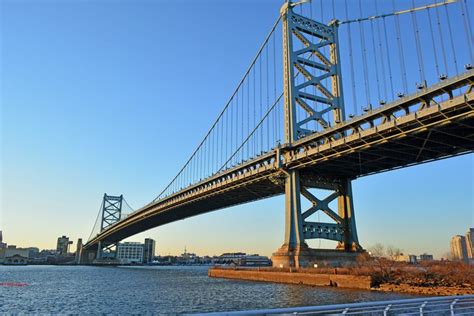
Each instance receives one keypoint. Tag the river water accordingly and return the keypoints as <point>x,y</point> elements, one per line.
<point>152,290</point>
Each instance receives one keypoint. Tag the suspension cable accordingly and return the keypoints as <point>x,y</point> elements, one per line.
<point>443,50</point>
<point>255,129</point>
<point>274,87</point>
<point>96,220</point>
<point>451,39</point>
<point>375,60</point>
<point>225,107</point>
<point>364,58</point>
<point>388,57</point>
<point>268,93</point>
<point>399,12</point>
<point>419,53</point>
<point>433,43</point>
<point>128,204</point>
<point>400,52</point>
<point>467,29</point>
<point>379,38</point>
<point>351,60</point>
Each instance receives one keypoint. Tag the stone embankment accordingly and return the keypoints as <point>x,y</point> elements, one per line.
<point>334,279</point>
<point>315,279</point>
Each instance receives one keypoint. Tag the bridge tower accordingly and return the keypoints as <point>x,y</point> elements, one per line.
<point>111,213</point>
<point>324,105</point>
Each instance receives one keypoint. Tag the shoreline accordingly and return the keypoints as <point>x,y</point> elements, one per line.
<point>346,281</point>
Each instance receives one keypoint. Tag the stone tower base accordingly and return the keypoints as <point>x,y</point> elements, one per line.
<point>304,256</point>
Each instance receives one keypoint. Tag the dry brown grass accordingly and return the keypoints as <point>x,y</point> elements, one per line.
<point>386,271</point>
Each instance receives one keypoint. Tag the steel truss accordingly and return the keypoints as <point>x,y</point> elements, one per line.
<point>111,214</point>
<point>317,99</point>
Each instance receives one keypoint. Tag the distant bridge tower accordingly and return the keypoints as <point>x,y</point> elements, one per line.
<point>111,213</point>
<point>324,105</point>
<point>111,210</point>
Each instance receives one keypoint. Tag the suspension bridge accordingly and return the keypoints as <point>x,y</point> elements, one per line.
<point>294,123</point>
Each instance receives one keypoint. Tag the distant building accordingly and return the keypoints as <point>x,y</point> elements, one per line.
<point>2,244</point>
<point>16,256</point>
<point>33,252</point>
<point>458,248</point>
<point>242,259</point>
<point>426,257</point>
<point>130,252</point>
<point>470,243</point>
<point>148,250</point>
<point>230,257</point>
<point>188,258</point>
<point>405,258</point>
<point>62,246</point>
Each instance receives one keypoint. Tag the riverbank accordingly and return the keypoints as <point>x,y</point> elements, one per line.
<point>293,277</point>
<point>332,278</point>
<point>425,290</point>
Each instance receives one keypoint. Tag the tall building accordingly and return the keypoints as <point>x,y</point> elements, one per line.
<point>148,250</point>
<point>458,248</point>
<point>62,246</point>
<point>2,244</point>
<point>470,243</point>
<point>78,250</point>
<point>130,252</point>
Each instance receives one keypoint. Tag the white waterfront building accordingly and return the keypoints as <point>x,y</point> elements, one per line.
<point>130,252</point>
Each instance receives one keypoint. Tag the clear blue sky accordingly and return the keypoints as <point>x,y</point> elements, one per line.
<point>113,96</point>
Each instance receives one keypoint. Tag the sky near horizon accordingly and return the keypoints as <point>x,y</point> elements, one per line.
<point>113,96</point>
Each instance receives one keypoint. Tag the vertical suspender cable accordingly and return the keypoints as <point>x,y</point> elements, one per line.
<point>433,43</point>
<point>382,62</point>
<point>236,127</point>
<point>261,106</point>
<point>388,58</point>
<point>419,53</point>
<point>451,39</point>
<point>221,147</point>
<point>268,96</point>
<point>242,123</point>
<point>248,115</point>
<point>467,29</point>
<point>274,87</point>
<point>321,9</point>
<point>400,52</point>
<point>364,57</point>
<point>231,130</point>
<point>351,60</point>
<point>333,9</point>
<point>443,50</point>
<point>227,128</point>
<point>254,110</point>
<point>375,59</point>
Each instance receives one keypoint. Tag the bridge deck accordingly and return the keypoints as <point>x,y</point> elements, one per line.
<point>413,130</point>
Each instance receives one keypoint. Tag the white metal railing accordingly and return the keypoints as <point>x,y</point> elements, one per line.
<point>444,305</point>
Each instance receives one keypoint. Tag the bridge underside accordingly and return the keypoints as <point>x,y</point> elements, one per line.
<point>423,146</point>
<point>437,132</point>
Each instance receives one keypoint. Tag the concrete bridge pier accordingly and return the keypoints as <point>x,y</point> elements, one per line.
<point>295,252</point>
<point>87,256</point>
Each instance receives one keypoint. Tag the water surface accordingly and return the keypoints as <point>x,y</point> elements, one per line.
<point>139,290</point>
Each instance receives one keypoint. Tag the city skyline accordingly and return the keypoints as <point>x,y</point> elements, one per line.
<point>56,169</point>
